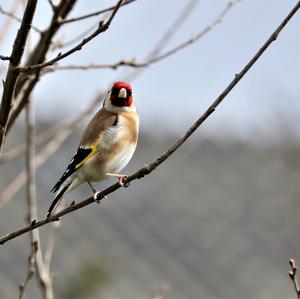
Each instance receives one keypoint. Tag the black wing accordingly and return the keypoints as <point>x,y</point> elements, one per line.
<point>75,163</point>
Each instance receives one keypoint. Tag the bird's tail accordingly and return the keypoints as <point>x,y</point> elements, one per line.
<point>58,197</point>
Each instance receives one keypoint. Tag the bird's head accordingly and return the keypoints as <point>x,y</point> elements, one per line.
<point>119,98</point>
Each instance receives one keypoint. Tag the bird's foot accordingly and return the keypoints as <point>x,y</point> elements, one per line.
<point>95,196</point>
<point>121,178</point>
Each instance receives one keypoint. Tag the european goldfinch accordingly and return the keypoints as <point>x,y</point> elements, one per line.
<point>106,146</point>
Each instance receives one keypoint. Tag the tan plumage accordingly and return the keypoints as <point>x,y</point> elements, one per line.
<point>107,144</point>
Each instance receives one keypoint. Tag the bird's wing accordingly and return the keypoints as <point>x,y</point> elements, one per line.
<point>91,137</point>
<point>76,162</point>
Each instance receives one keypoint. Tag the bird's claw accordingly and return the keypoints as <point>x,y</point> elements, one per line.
<point>95,196</point>
<point>122,180</point>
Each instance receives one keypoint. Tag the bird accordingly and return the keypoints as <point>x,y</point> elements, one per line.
<point>106,145</point>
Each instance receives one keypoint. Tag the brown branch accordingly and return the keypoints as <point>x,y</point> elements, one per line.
<point>103,26</point>
<point>151,167</point>
<point>13,73</point>
<point>293,277</point>
<point>94,14</point>
<point>5,57</point>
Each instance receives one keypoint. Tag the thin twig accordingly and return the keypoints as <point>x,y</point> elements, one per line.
<point>154,58</point>
<point>149,168</point>
<point>30,271</point>
<point>16,18</point>
<point>60,45</point>
<point>94,14</point>
<point>103,26</point>
<point>53,7</point>
<point>43,274</point>
<point>13,73</point>
<point>293,276</point>
<point>40,159</point>
<point>2,57</point>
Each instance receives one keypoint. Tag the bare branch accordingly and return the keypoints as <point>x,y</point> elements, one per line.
<point>153,56</point>
<point>151,167</point>
<point>94,14</point>
<point>43,274</point>
<point>13,73</point>
<point>40,159</point>
<point>103,26</point>
<point>14,17</point>
<point>30,271</point>
<point>52,5</point>
<point>60,45</point>
<point>5,57</point>
<point>293,277</point>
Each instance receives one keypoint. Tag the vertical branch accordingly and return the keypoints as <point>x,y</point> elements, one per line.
<point>42,274</point>
<point>13,72</point>
<point>293,277</point>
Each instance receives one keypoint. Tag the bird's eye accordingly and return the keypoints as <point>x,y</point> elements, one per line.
<point>115,92</point>
<point>129,93</point>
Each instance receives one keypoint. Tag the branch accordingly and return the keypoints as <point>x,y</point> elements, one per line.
<point>14,17</point>
<point>149,168</point>
<point>13,73</point>
<point>40,159</point>
<point>94,14</point>
<point>30,270</point>
<point>293,277</point>
<point>103,26</point>
<point>42,272</point>
<point>5,57</point>
<point>25,83</point>
<point>154,57</point>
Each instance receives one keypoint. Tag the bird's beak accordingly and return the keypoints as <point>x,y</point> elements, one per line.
<point>122,93</point>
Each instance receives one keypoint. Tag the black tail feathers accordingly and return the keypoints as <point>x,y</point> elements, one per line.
<point>57,198</point>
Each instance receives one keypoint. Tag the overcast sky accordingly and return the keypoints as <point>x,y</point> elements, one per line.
<point>171,94</point>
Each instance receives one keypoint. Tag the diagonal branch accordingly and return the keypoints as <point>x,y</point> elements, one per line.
<point>103,26</point>
<point>12,16</point>
<point>94,14</point>
<point>13,72</point>
<point>151,167</point>
<point>155,57</point>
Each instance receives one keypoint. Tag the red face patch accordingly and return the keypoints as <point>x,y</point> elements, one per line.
<point>119,85</point>
<point>116,100</point>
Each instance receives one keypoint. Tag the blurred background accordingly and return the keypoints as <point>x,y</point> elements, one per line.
<point>220,218</point>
